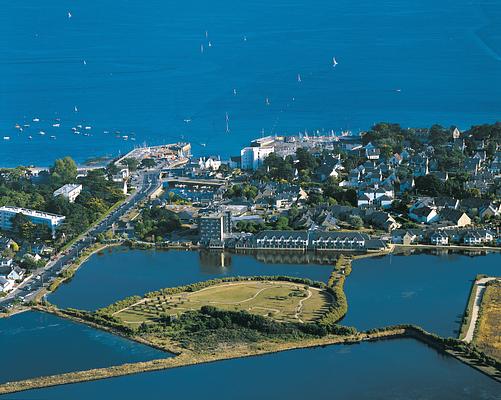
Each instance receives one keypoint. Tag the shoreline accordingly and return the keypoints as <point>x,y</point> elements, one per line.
<point>265,348</point>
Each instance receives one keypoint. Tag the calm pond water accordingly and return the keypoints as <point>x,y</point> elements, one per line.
<point>119,272</point>
<point>390,370</point>
<point>427,290</point>
<point>34,344</point>
<point>414,62</point>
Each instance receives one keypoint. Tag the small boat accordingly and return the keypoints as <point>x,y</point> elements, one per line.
<point>133,138</point>
<point>56,125</point>
<point>79,126</point>
<point>52,137</point>
<point>29,137</point>
<point>73,129</point>
<point>69,15</point>
<point>77,132</point>
<point>334,62</point>
<point>88,127</point>
<point>6,138</point>
<point>41,133</point>
<point>125,137</point>
<point>245,38</point>
<point>26,125</point>
<point>17,126</point>
<point>187,120</point>
<point>36,119</point>
<point>106,132</point>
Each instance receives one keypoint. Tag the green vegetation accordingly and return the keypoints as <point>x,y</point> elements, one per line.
<point>282,301</point>
<point>249,310</point>
<point>487,335</point>
<point>279,224</point>
<point>339,306</point>
<point>97,196</point>
<point>156,222</point>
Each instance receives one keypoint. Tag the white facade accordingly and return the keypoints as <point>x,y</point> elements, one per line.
<point>7,213</point>
<point>6,285</point>
<point>69,191</point>
<point>253,157</point>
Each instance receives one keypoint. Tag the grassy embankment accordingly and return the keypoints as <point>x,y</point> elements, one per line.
<point>487,336</point>
<point>73,267</point>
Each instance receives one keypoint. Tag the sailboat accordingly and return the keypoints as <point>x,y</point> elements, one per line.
<point>201,48</point>
<point>234,92</point>
<point>298,78</point>
<point>69,14</point>
<point>267,101</point>
<point>227,123</point>
<point>76,109</point>
<point>334,62</point>
<point>84,62</point>
<point>210,44</point>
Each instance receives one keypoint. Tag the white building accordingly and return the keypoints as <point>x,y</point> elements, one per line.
<point>6,285</point>
<point>122,175</point>
<point>69,191</point>
<point>253,157</point>
<point>7,213</point>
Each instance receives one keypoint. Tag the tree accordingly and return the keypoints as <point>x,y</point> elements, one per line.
<point>131,163</point>
<point>355,221</point>
<point>282,224</point>
<point>429,185</point>
<point>148,163</point>
<point>305,160</point>
<point>63,171</point>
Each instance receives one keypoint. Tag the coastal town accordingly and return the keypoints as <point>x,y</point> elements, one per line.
<point>333,198</point>
<point>387,187</point>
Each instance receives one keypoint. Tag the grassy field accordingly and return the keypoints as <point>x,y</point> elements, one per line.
<point>488,334</point>
<point>283,301</point>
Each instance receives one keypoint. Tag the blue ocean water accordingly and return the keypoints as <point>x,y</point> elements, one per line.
<point>386,370</point>
<point>38,344</point>
<point>413,62</point>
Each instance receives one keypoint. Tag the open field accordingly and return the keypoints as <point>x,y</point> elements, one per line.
<point>283,301</point>
<point>487,333</point>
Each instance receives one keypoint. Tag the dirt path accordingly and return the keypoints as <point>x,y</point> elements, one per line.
<point>300,306</point>
<point>480,289</point>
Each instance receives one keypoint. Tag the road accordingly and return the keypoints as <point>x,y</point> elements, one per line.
<point>145,182</point>
<point>479,293</point>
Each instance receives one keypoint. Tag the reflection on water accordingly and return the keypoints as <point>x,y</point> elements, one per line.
<point>121,272</point>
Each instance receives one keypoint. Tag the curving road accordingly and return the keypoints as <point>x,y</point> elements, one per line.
<point>146,182</point>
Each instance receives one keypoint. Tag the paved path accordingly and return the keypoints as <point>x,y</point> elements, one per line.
<point>480,289</point>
